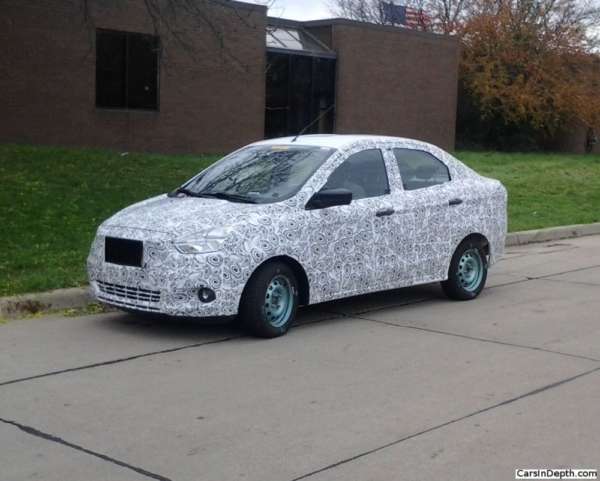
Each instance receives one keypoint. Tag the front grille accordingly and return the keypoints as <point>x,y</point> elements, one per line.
<point>125,294</point>
<point>123,252</point>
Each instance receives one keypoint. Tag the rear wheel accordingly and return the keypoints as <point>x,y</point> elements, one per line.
<point>270,301</point>
<point>468,271</point>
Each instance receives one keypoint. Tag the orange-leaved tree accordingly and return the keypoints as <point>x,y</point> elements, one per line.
<point>531,63</point>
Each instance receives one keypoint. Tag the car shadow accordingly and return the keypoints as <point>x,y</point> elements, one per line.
<point>199,330</point>
<point>173,328</point>
<point>359,307</point>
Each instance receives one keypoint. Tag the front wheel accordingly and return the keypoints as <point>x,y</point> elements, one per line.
<point>270,301</point>
<point>467,273</point>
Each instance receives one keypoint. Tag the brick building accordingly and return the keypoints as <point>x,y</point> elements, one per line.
<point>114,78</point>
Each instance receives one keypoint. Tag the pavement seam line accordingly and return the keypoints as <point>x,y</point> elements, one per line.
<point>191,346</point>
<point>171,350</point>
<point>118,361</point>
<point>540,278</point>
<point>474,338</point>
<point>545,276</point>
<point>510,283</point>
<point>566,281</point>
<point>518,255</point>
<point>448,423</point>
<point>140,356</point>
<point>55,439</point>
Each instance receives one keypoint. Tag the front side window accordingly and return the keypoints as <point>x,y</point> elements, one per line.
<point>260,174</point>
<point>420,169</point>
<point>126,70</point>
<point>364,174</point>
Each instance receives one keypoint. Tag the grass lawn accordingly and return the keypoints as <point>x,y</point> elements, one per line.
<point>544,190</point>
<point>52,200</point>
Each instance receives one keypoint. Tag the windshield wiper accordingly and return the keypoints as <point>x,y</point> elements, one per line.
<point>182,190</point>
<point>225,196</point>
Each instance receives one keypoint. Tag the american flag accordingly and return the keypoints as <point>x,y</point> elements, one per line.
<point>403,15</point>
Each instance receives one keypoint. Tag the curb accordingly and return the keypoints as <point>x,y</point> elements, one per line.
<point>22,305</point>
<point>551,234</point>
<point>79,297</point>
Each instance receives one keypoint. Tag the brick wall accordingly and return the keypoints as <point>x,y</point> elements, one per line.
<point>394,81</point>
<point>211,98</point>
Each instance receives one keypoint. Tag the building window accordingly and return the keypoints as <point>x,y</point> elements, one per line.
<point>126,70</point>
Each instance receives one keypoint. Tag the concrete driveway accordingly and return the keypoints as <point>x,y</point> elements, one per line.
<point>403,385</point>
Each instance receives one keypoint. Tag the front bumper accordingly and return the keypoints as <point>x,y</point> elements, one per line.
<point>168,281</point>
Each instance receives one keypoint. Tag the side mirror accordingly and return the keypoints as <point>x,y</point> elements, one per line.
<point>329,198</point>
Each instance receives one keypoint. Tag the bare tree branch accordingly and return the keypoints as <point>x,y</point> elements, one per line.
<point>450,15</point>
<point>179,23</point>
<point>446,15</point>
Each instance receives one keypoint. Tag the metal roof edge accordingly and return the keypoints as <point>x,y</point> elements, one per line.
<point>332,22</point>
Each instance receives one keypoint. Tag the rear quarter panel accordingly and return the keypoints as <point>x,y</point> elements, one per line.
<point>484,211</point>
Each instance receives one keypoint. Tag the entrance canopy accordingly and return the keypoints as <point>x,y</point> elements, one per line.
<point>296,40</point>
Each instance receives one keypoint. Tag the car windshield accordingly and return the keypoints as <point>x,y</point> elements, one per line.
<point>260,174</point>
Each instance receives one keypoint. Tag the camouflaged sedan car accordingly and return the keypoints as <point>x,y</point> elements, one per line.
<point>297,221</point>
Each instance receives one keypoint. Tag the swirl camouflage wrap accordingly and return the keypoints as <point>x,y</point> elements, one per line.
<point>339,251</point>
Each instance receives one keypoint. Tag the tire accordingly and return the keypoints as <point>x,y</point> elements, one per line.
<point>468,271</point>
<point>270,301</point>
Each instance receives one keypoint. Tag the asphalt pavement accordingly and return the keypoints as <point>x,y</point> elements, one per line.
<point>402,385</point>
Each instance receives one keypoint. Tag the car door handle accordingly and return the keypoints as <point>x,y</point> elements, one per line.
<point>454,202</point>
<point>385,212</point>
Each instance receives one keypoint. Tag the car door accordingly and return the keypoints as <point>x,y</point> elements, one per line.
<point>423,212</point>
<point>344,239</point>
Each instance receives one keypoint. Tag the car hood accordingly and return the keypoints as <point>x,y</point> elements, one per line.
<point>182,216</point>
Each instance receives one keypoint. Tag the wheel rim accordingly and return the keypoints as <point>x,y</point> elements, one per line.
<point>279,301</point>
<point>470,270</point>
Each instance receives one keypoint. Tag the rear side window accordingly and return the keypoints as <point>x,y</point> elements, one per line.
<point>420,169</point>
<point>364,174</point>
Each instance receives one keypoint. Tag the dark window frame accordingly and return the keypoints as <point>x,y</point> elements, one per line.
<point>429,154</point>
<point>127,35</point>
<point>387,191</point>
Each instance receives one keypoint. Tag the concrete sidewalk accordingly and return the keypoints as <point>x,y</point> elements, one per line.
<point>397,385</point>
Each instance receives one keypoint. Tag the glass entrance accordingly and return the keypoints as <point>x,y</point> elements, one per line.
<point>300,84</point>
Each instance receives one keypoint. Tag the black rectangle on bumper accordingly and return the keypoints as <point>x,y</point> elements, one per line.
<point>123,252</point>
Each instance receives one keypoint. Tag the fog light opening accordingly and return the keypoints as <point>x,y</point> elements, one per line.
<point>206,295</point>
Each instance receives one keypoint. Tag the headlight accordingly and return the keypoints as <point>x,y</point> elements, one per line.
<point>205,242</point>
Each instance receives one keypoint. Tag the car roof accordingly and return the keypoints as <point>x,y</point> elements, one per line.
<point>336,141</point>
